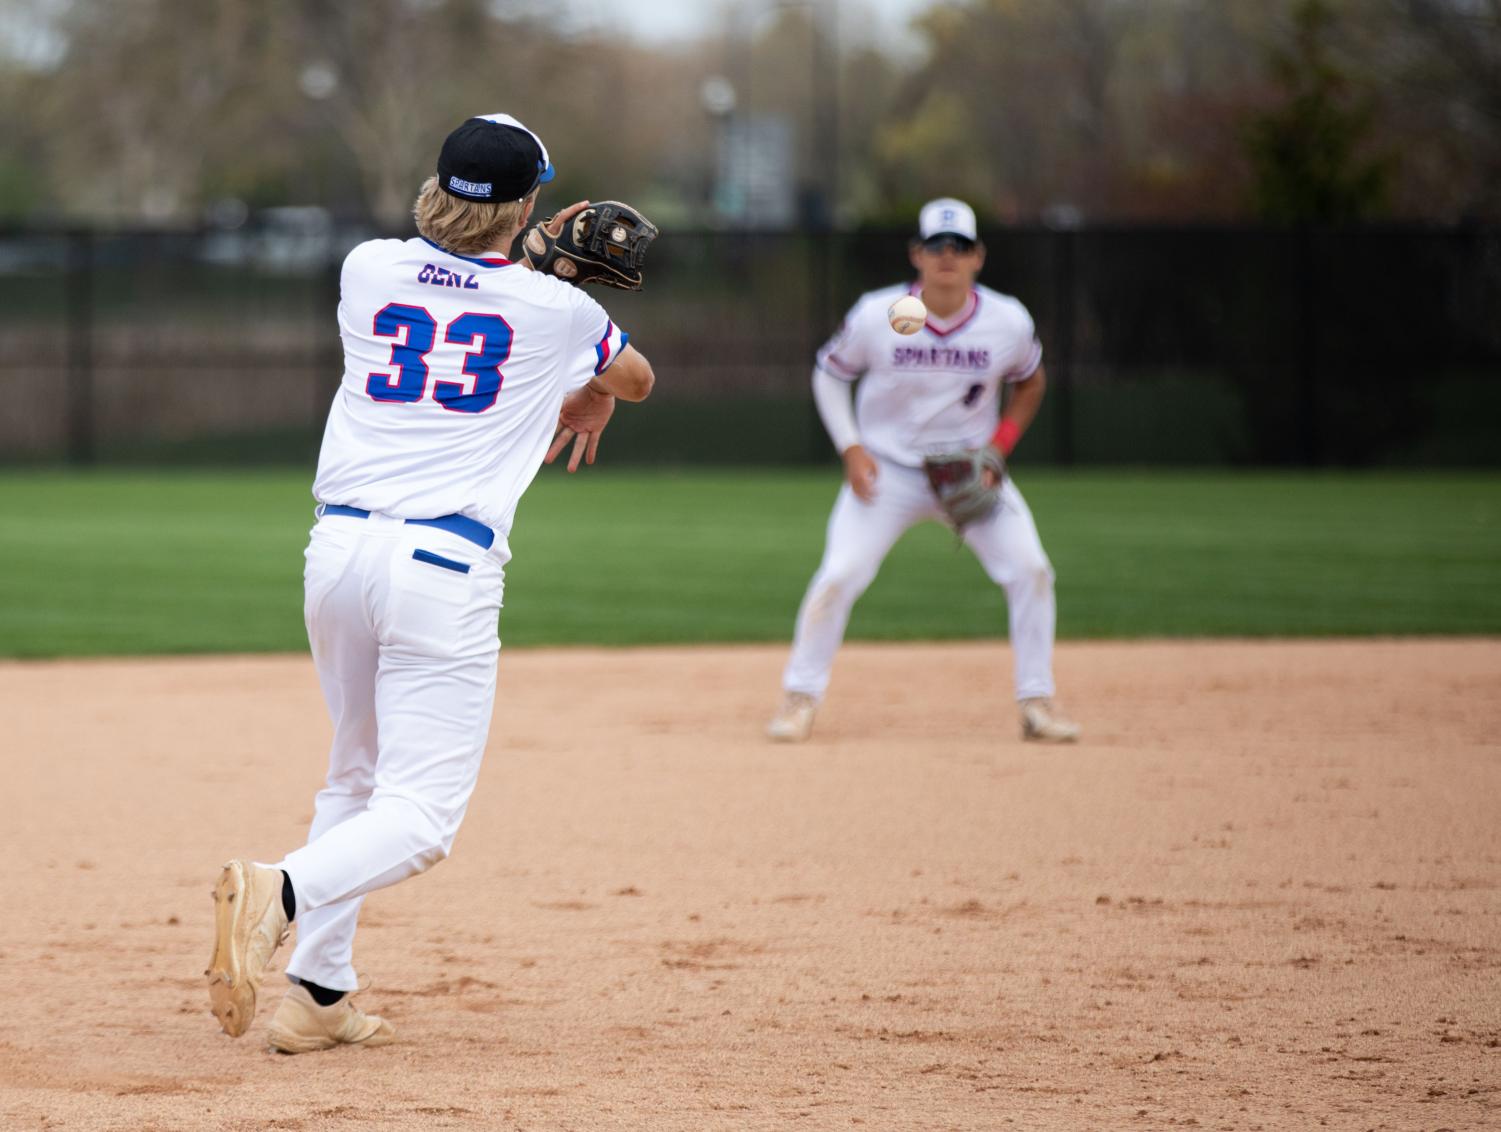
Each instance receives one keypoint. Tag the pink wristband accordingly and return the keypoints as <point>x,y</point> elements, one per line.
<point>1006,436</point>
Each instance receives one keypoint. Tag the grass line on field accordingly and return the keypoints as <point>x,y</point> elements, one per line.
<point>127,563</point>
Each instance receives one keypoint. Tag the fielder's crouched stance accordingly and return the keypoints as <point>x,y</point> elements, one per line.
<point>460,368</point>
<point>924,443</point>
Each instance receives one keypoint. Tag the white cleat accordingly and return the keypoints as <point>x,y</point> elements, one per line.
<point>300,1025</point>
<point>1044,723</point>
<point>249,925</point>
<point>793,721</point>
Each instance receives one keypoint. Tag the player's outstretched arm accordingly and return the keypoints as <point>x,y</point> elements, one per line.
<point>1026,399</point>
<point>861,470</point>
<point>837,410</point>
<point>629,377</point>
<point>586,411</point>
<point>1021,409</point>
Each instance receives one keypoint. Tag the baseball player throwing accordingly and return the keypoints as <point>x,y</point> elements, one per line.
<point>463,371</point>
<point>925,422</point>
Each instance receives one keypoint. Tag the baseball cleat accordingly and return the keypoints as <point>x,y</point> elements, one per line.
<point>249,925</point>
<point>1043,722</point>
<point>300,1025</point>
<point>793,721</point>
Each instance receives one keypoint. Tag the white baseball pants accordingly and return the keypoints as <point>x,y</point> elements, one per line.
<point>406,653</point>
<point>861,534</point>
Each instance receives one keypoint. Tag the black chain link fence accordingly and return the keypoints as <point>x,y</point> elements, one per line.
<point>1371,347</point>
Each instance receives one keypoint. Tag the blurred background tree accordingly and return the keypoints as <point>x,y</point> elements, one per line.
<point>134,112</point>
<point>1307,153</point>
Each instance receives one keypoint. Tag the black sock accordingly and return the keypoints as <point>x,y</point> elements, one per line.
<point>322,995</point>
<point>288,898</point>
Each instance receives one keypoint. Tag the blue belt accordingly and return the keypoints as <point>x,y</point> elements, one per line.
<point>461,525</point>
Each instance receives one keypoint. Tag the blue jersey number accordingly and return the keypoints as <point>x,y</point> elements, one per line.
<point>416,331</point>
<point>494,336</point>
<point>414,327</point>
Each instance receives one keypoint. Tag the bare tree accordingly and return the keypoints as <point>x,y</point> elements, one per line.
<point>1127,109</point>
<point>147,93</point>
<point>390,76</point>
<point>1443,96</point>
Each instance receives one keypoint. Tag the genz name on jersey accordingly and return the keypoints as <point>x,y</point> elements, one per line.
<point>442,277</point>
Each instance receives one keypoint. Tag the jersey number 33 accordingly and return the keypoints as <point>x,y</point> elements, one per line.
<point>488,337</point>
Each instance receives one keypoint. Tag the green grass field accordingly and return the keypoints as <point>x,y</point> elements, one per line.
<point>113,563</point>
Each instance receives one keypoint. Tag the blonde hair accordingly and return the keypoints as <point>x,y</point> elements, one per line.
<point>467,227</point>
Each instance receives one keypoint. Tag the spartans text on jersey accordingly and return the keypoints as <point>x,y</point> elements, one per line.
<point>945,357</point>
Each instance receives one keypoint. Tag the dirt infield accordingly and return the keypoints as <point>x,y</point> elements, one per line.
<point>1265,892</point>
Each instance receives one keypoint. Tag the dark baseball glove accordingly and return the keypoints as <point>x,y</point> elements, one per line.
<point>958,480</point>
<point>604,243</point>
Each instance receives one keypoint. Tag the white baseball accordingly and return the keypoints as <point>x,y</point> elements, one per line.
<point>907,314</point>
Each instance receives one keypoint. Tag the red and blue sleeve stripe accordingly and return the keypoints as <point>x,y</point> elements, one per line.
<point>608,348</point>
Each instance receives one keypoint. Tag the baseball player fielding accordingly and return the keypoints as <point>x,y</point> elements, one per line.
<point>921,441</point>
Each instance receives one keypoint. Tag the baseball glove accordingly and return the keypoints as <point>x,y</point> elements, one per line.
<point>605,243</point>
<point>958,480</point>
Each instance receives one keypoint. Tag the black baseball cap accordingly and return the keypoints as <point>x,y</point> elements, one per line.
<point>494,159</point>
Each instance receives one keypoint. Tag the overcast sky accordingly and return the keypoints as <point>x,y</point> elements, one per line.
<point>683,18</point>
<point>26,34</point>
<point>670,20</point>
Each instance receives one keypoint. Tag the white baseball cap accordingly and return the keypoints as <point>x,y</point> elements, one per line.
<point>946,216</point>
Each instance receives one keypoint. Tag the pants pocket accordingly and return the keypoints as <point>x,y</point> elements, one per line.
<point>440,602</point>
<point>426,575</point>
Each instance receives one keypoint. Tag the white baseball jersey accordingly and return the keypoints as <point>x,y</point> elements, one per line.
<point>937,389</point>
<point>455,369</point>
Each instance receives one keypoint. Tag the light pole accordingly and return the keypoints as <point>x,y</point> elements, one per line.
<point>821,203</point>
<point>823,92</point>
<point>824,87</point>
<point>717,96</point>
